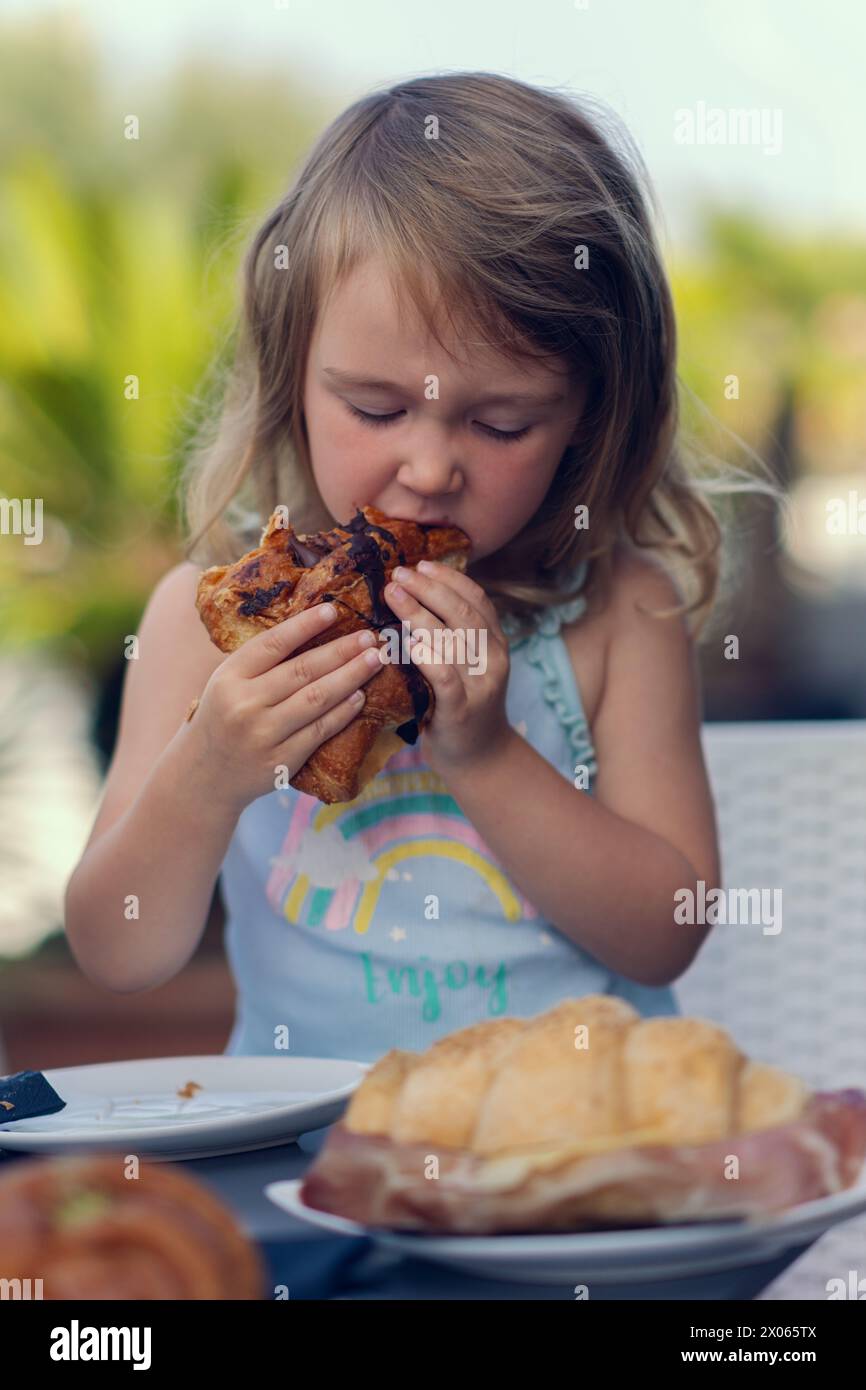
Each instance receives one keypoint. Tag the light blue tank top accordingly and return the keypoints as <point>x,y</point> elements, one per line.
<point>387,921</point>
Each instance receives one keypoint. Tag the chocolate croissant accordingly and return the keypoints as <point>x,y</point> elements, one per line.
<point>586,1115</point>
<point>349,566</point>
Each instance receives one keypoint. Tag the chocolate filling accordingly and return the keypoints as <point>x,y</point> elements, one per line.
<point>254,603</point>
<point>249,571</point>
<point>307,553</point>
<point>368,559</point>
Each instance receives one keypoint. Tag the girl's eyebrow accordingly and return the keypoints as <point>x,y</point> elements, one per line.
<point>503,397</point>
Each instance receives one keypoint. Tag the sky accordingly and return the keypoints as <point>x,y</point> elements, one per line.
<point>665,66</point>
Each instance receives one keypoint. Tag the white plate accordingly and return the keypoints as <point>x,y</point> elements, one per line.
<point>245,1103</point>
<point>608,1257</point>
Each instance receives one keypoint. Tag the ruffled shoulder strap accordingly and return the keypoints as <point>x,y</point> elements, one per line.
<point>545,649</point>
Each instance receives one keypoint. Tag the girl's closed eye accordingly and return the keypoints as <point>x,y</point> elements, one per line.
<point>503,435</point>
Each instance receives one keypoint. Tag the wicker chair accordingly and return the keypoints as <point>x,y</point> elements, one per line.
<point>791,808</point>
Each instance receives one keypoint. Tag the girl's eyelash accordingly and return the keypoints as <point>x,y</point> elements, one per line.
<point>371,419</point>
<point>504,436</point>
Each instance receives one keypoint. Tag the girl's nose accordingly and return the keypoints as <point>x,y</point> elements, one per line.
<point>431,474</point>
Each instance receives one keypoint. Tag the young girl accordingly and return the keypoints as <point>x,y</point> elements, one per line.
<point>458,311</point>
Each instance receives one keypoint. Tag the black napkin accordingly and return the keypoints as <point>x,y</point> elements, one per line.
<point>26,1095</point>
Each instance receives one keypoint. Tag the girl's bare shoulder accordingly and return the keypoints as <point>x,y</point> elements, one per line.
<point>172,628</point>
<point>175,594</point>
<point>637,582</point>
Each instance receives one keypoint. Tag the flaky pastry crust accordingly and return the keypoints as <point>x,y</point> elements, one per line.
<point>349,566</point>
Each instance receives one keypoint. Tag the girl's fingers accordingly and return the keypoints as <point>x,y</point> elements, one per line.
<point>450,607</point>
<point>267,649</point>
<point>303,743</point>
<point>310,704</point>
<point>299,671</point>
<point>460,584</point>
<point>408,609</point>
<point>445,667</point>
<point>420,619</point>
<point>441,675</point>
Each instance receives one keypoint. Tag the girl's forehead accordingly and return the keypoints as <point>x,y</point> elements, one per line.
<point>372,291</point>
<point>369,319</point>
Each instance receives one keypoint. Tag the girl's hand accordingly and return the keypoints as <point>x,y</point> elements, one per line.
<point>469,721</point>
<point>263,709</point>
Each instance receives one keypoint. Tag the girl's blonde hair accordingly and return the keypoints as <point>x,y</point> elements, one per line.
<point>479,191</point>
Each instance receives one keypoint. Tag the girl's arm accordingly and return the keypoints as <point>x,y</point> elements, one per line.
<point>162,829</point>
<point>604,868</point>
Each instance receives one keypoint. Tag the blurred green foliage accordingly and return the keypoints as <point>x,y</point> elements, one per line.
<point>117,257</point>
<point>121,257</point>
<point>787,316</point>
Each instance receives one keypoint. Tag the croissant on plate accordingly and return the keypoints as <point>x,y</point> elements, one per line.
<point>586,1115</point>
<point>349,565</point>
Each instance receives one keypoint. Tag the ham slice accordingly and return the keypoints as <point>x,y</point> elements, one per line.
<point>374,1180</point>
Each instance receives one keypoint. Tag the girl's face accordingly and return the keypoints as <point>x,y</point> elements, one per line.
<point>395,422</point>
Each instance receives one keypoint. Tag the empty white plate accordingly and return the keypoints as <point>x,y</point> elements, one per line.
<point>243,1103</point>
<point>607,1257</point>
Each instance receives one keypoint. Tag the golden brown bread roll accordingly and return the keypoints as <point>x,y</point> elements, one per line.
<point>676,1080</point>
<point>441,1090</point>
<point>349,565</point>
<point>587,1114</point>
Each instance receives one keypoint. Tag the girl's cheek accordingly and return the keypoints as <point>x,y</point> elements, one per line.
<point>343,433</point>
<point>350,456</point>
<point>343,451</point>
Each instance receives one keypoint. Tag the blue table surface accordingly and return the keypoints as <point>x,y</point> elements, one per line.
<point>309,1264</point>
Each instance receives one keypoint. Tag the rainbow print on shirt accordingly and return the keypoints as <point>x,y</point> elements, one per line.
<point>335,860</point>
